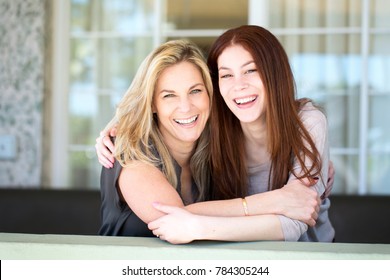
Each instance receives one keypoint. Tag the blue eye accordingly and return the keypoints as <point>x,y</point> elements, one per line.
<point>196,91</point>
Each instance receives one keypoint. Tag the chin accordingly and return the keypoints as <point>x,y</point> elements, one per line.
<point>192,139</point>
<point>248,120</point>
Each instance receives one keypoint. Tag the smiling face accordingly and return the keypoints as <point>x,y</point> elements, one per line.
<point>182,104</point>
<point>240,84</point>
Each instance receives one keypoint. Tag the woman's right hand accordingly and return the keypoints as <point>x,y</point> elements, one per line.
<point>105,148</point>
<point>299,202</point>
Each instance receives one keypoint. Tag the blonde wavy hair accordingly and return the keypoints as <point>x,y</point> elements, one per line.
<point>137,128</point>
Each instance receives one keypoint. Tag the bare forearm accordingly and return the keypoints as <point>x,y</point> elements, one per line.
<point>264,227</point>
<point>258,204</point>
<point>179,226</point>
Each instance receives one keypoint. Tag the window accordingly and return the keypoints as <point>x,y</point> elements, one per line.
<point>338,50</point>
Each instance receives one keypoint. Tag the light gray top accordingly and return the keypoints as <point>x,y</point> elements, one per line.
<point>293,230</point>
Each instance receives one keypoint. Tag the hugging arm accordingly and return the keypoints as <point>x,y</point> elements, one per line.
<point>180,226</point>
<point>295,200</point>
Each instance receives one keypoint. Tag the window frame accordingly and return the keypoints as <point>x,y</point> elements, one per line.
<point>61,37</point>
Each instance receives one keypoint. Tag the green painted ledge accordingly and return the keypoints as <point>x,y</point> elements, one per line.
<point>76,247</point>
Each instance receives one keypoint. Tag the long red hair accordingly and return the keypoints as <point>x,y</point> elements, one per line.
<point>287,137</point>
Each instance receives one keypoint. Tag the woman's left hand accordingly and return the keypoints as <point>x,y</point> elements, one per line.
<point>178,226</point>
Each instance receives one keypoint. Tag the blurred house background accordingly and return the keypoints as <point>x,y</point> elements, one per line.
<point>64,65</point>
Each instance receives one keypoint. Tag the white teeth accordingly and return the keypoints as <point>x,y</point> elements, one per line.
<point>245,100</point>
<point>186,121</point>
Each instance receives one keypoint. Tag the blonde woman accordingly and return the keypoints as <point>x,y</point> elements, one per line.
<point>161,141</point>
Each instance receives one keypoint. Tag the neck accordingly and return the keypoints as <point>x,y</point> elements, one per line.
<point>256,142</point>
<point>181,152</point>
<point>255,132</point>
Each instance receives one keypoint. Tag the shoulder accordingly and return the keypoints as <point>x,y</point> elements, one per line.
<point>140,170</point>
<point>313,117</point>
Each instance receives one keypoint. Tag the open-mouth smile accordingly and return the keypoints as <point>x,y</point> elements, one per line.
<point>187,121</point>
<point>245,100</point>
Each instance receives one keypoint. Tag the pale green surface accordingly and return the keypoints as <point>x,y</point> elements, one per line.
<point>32,246</point>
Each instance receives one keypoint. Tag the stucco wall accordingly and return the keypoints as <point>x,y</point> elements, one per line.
<point>22,36</point>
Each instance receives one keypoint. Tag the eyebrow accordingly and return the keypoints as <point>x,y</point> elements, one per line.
<point>245,64</point>
<point>191,87</point>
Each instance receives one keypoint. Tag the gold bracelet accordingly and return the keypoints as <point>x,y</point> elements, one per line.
<point>245,205</point>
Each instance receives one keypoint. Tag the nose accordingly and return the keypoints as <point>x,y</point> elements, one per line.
<point>240,84</point>
<point>185,104</point>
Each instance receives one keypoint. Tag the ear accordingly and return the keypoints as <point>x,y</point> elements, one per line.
<point>154,110</point>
